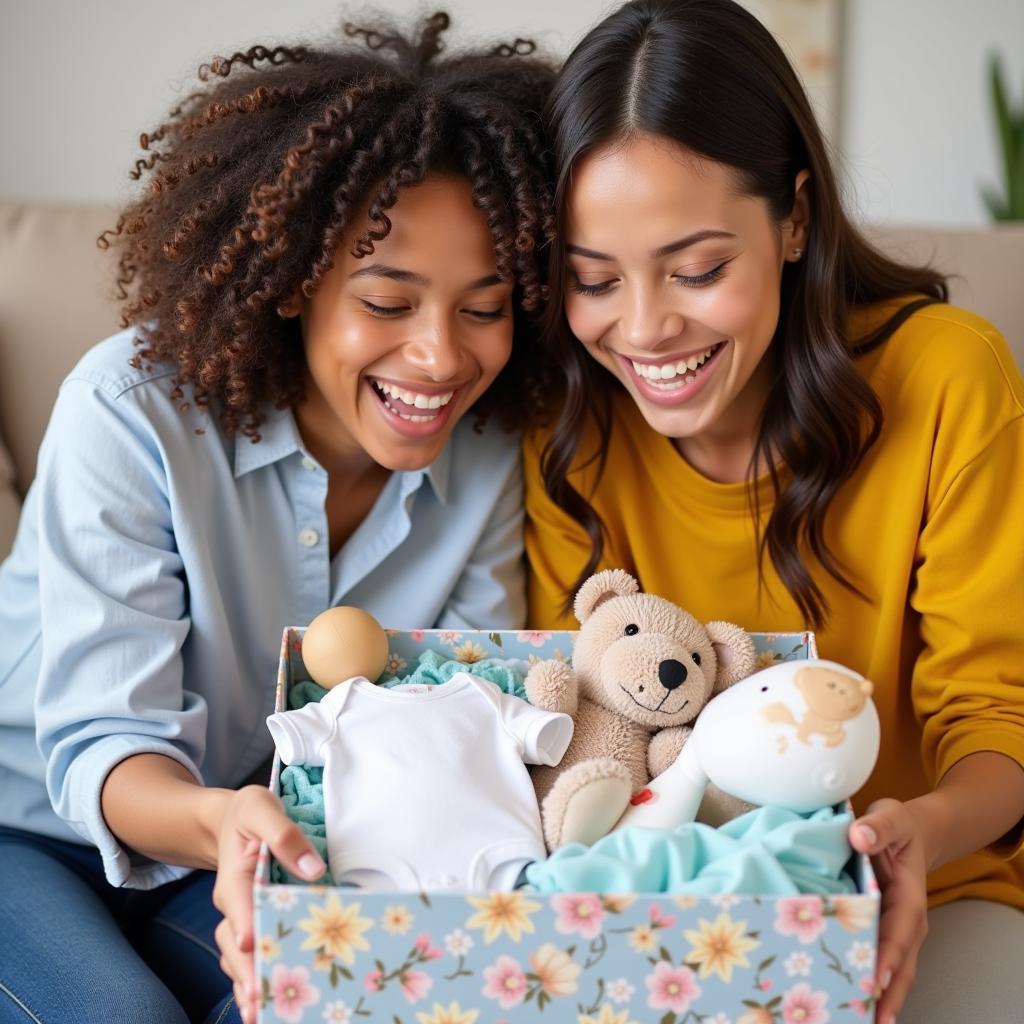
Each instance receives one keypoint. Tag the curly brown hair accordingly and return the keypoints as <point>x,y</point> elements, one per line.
<point>254,178</point>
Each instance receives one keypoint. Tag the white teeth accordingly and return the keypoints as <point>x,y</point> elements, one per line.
<point>416,399</point>
<point>671,371</point>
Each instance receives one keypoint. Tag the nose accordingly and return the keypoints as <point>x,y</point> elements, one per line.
<point>672,673</point>
<point>648,322</point>
<point>436,350</point>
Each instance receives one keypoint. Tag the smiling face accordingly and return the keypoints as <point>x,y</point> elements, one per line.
<point>400,344</point>
<point>673,285</point>
<point>647,659</point>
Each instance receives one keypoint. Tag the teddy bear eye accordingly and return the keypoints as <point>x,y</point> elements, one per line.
<point>696,658</point>
<point>632,629</point>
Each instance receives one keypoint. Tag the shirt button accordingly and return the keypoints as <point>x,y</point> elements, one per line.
<point>308,537</point>
<point>308,463</point>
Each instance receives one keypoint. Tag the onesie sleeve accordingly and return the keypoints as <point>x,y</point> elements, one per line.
<point>300,735</point>
<point>968,681</point>
<point>543,735</point>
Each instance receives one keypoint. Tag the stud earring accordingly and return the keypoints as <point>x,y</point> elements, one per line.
<point>797,253</point>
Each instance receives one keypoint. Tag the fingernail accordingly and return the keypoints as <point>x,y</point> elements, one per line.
<point>869,834</point>
<point>310,865</point>
<point>886,978</point>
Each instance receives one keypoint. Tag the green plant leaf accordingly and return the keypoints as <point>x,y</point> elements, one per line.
<point>996,205</point>
<point>1015,185</point>
<point>1004,121</point>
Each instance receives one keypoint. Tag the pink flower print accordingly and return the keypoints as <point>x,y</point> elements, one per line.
<point>425,949</point>
<point>578,913</point>
<point>859,1007</point>
<point>417,635</point>
<point>372,982</point>
<point>766,984</point>
<point>659,919</point>
<point>506,982</point>
<point>533,637</point>
<point>415,984</point>
<point>671,988</point>
<point>291,992</point>
<point>802,1005</point>
<point>800,916</point>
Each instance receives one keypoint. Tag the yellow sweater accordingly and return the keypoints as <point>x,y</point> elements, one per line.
<point>930,528</point>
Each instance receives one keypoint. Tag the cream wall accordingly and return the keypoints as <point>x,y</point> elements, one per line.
<point>76,87</point>
<point>917,131</point>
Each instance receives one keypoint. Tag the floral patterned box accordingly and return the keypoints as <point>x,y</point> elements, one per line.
<point>340,955</point>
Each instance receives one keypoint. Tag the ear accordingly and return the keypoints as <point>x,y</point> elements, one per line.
<point>795,228</point>
<point>734,651</point>
<point>600,588</point>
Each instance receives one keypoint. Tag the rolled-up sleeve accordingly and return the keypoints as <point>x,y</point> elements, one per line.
<point>114,615</point>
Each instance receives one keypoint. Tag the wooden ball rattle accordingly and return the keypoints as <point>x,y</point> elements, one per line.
<point>344,642</point>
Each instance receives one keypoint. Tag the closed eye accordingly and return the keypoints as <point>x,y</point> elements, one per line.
<point>698,280</point>
<point>590,289</point>
<point>487,316</point>
<point>384,311</point>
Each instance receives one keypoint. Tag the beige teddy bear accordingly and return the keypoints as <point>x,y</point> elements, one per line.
<point>642,668</point>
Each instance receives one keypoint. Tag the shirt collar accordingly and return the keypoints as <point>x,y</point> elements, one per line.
<point>279,438</point>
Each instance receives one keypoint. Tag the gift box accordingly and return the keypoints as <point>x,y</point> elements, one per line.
<point>339,954</point>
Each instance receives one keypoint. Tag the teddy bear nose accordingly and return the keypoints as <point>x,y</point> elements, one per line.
<point>672,673</point>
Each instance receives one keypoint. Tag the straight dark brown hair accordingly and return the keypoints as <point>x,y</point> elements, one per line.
<point>708,75</point>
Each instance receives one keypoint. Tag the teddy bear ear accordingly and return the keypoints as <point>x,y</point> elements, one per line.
<point>600,588</point>
<point>734,652</point>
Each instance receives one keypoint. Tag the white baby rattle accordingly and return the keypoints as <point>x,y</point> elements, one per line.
<point>801,735</point>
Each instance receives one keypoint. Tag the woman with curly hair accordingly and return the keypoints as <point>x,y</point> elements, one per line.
<point>767,420</point>
<point>327,285</point>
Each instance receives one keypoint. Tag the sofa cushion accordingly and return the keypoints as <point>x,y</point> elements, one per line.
<point>10,503</point>
<point>55,302</point>
<point>983,264</point>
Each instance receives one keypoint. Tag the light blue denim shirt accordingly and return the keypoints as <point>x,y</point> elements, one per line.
<point>158,561</point>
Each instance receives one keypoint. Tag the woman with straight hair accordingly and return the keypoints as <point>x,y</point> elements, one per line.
<point>766,420</point>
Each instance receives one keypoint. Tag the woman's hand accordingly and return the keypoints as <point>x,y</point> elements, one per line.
<point>251,816</point>
<point>893,835</point>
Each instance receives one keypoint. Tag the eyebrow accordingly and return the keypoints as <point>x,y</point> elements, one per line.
<point>411,277</point>
<point>665,250</point>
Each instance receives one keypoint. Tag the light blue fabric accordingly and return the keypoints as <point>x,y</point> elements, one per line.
<point>432,669</point>
<point>157,562</point>
<point>768,851</point>
<point>302,790</point>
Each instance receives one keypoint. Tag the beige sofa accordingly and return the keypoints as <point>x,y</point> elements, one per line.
<point>55,301</point>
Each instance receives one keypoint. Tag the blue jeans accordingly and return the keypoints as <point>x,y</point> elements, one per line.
<point>75,949</point>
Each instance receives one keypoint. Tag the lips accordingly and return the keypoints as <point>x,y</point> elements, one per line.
<point>671,381</point>
<point>414,411</point>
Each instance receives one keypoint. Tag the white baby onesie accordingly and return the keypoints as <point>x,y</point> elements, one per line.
<point>425,787</point>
